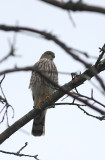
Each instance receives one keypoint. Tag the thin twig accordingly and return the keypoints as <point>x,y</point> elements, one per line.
<point>3,100</point>
<point>4,58</point>
<point>90,98</point>
<point>26,143</point>
<point>20,155</point>
<point>73,23</point>
<point>88,114</point>
<point>101,55</point>
<point>66,103</point>
<point>12,50</point>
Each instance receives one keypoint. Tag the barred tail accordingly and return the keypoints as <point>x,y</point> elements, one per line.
<point>38,128</point>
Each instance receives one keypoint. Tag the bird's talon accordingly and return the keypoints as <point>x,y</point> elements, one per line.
<point>49,97</point>
<point>38,105</point>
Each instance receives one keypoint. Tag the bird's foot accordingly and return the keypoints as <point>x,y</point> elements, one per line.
<point>38,105</point>
<point>49,97</point>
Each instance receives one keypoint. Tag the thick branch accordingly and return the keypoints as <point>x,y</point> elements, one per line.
<point>75,6</point>
<point>77,81</point>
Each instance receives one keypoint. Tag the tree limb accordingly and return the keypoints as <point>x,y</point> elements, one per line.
<point>75,6</point>
<point>77,81</point>
<point>48,36</point>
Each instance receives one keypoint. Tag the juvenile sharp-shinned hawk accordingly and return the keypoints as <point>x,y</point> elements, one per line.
<point>41,88</point>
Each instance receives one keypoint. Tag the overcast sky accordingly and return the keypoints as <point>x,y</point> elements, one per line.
<point>69,133</point>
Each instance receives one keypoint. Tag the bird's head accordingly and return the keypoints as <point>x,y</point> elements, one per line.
<point>48,54</point>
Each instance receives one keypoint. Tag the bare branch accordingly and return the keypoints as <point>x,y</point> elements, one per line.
<point>66,103</point>
<point>4,58</point>
<point>75,6</point>
<point>80,107</point>
<point>88,114</point>
<point>22,148</point>
<point>47,36</point>
<point>71,19</point>
<point>3,100</point>
<point>90,98</point>
<point>20,154</point>
<point>11,52</point>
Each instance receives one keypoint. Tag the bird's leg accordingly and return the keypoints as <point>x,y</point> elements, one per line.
<point>40,101</point>
<point>38,104</point>
<point>49,97</point>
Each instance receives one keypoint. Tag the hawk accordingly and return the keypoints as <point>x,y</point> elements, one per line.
<point>42,89</point>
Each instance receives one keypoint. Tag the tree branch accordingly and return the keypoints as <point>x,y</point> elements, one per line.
<point>77,81</point>
<point>4,101</point>
<point>75,6</point>
<point>80,107</point>
<point>20,155</point>
<point>48,36</point>
<point>88,114</point>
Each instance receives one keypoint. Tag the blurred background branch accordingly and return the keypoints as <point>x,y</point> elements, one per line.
<point>75,6</point>
<point>6,105</point>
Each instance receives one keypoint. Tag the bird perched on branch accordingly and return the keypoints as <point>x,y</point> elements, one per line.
<point>41,88</point>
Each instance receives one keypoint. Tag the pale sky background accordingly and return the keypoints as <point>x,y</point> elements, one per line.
<point>70,134</point>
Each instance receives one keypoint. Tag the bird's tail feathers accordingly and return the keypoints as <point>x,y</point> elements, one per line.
<point>38,128</point>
